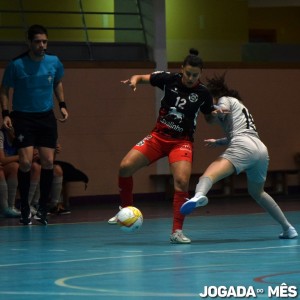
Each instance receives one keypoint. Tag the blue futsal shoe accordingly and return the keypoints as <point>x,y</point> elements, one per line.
<point>191,204</point>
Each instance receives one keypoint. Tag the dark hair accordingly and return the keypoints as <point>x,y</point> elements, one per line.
<point>193,59</point>
<point>36,29</point>
<point>218,88</point>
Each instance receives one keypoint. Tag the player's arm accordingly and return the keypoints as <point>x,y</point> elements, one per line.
<point>219,112</point>
<point>211,143</point>
<point>4,160</point>
<point>4,100</point>
<point>211,119</point>
<point>136,79</point>
<point>59,94</point>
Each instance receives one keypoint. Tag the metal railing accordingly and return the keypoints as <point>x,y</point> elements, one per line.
<point>80,30</point>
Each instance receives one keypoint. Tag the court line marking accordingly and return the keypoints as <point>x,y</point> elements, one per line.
<point>147,255</point>
<point>62,282</point>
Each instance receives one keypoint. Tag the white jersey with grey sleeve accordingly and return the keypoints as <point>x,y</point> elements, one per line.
<point>245,149</point>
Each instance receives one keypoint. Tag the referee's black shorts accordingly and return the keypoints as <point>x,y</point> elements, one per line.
<point>35,129</point>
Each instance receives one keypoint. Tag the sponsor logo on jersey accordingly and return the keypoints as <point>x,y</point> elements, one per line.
<point>142,142</point>
<point>172,125</point>
<point>193,97</point>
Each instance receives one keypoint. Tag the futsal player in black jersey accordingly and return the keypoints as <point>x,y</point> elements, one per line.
<point>184,97</point>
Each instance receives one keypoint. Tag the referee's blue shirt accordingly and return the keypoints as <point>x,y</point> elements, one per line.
<point>33,82</point>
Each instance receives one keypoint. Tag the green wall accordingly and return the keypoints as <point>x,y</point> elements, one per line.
<point>216,28</point>
<point>60,19</point>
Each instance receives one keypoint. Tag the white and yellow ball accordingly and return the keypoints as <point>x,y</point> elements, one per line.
<point>130,219</point>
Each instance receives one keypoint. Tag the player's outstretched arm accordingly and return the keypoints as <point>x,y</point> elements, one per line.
<point>135,79</point>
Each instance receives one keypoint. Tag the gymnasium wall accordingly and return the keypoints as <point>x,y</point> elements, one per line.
<point>220,29</point>
<point>107,118</point>
<point>284,20</point>
<point>63,18</point>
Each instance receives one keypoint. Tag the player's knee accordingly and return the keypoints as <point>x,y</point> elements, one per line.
<point>125,168</point>
<point>57,171</point>
<point>255,194</point>
<point>47,164</point>
<point>25,166</point>
<point>181,184</point>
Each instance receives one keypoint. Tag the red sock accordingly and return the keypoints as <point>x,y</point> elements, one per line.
<point>125,187</point>
<point>178,218</point>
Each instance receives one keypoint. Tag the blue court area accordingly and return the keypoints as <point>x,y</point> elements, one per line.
<point>94,260</point>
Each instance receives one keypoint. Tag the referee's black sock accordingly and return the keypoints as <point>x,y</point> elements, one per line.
<point>24,184</point>
<point>45,188</point>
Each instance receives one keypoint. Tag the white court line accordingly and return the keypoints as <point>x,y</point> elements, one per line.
<point>145,255</point>
<point>90,291</point>
<point>62,282</point>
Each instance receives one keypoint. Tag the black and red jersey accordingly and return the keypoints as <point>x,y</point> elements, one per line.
<point>180,105</point>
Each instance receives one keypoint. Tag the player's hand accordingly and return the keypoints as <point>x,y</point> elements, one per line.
<point>65,115</point>
<point>131,83</point>
<point>7,123</point>
<point>58,148</point>
<point>210,143</point>
<point>220,111</point>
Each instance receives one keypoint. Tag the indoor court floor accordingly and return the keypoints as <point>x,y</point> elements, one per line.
<point>77,257</point>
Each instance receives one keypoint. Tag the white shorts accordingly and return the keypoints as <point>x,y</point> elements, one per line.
<point>248,153</point>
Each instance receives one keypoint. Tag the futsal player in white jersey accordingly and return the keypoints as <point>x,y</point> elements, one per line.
<point>245,152</point>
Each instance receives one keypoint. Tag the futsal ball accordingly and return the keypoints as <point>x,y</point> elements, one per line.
<point>130,219</point>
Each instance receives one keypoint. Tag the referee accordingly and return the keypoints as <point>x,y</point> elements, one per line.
<point>34,77</point>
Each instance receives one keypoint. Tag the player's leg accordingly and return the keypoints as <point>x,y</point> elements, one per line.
<point>56,190</point>
<point>3,192</point>
<point>181,171</point>
<point>66,191</point>
<point>34,193</point>
<point>217,170</point>
<point>131,163</point>
<point>256,191</point>
<point>141,155</point>
<point>11,174</point>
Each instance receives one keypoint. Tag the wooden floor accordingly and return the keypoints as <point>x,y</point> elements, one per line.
<point>80,256</point>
